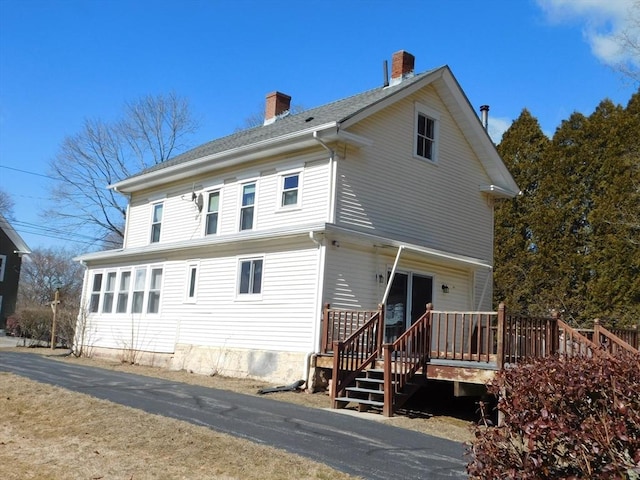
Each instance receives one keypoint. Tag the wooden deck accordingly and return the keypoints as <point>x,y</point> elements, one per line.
<point>467,347</point>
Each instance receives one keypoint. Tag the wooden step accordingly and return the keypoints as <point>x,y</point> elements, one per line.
<point>363,401</point>
<point>368,391</point>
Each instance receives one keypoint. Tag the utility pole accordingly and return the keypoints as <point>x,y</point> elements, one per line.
<point>54,307</point>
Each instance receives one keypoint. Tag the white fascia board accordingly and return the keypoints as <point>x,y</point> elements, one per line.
<point>234,156</point>
<point>160,249</point>
<point>461,261</point>
<point>478,136</point>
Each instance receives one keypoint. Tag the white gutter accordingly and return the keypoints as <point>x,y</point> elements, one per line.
<point>332,178</point>
<point>318,310</point>
<point>392,276</point>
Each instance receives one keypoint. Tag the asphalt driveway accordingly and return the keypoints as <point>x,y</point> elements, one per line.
<point>353,445</point>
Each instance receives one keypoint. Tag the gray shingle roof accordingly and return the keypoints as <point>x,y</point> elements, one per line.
<point>338,111</point>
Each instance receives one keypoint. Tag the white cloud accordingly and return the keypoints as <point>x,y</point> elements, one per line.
<point>496,128</point>
<point>605,21</point>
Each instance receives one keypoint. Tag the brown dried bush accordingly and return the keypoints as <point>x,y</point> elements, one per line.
<point>569,418</point>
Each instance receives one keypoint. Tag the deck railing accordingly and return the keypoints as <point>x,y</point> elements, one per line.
<point>356,353</point>
<point>404,358</point>
<point>615,340</point>
<point>527,337</point>
<point>338,325</point>
<point>470,336</point>
<point>572,343</point>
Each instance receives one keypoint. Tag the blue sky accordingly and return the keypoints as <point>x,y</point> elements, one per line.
<point>67,60</point>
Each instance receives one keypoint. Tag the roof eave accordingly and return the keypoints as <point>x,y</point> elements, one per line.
<point>272,146</point>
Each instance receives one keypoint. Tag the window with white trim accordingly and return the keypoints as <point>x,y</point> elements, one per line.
<point>247,208</point>
<point>96,288</point>
<point>155,285</point>
<point>139,280</point>
<point>426,134</point>
<point>192,279</point>
<point>123,292</point>
<point>156,222</point>
<point>250,278</point>
<point>290,190</point>
<point>109,290</point>
<point>213,205</point>
<point>3,266</point>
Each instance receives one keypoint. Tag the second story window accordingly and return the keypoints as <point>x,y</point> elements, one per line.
<point>290,190</point>
<point>426,133</point>
<point>247,209</point>
<point>156,222</point>
<point>213,204</point>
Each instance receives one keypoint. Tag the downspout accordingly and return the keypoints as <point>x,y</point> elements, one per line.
<point>126,215</point>
<point>392,276</point>
<point>310,357</point>
<point>332,178</point>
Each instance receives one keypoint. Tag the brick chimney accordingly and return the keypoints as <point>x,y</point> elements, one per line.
<point>402,65</point>
<point>277,103</point>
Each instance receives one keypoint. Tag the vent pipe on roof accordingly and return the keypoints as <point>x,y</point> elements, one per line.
<point>385,74</point>
<point>277,104</point>
<point>484,112</point>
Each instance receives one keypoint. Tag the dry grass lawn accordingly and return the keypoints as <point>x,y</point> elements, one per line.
<point>51,433</point>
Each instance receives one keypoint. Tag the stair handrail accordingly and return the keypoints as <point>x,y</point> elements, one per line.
<point>573,339</point>
<point>404,357</point>
<point>354,354</point>
<point>608,340</point>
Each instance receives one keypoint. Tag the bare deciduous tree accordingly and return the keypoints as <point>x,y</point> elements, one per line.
<point>6,205</point>
<point>152,129</point>
<point>629,43</point>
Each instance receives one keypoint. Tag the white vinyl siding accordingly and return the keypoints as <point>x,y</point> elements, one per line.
<point>436,205</point>
<point>182,221</point>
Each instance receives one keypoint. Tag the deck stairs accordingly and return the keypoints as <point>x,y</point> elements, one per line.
<point>367,391</point>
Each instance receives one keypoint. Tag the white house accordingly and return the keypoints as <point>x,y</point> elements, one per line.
<point>232,249</point>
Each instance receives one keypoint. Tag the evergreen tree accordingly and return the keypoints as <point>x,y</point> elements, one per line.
<point>516,274</point>
<point>571,241</point>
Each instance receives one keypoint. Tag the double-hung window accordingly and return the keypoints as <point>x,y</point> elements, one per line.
<point>213,205</point>
<point>250,276</point>
<point>96,288</point>
<point>153,302</point>
<point>248,205</point>
<point>426,134</point>
<point>156,222</point>
<point>139,280</point>
<point>290,195</point>
<point>123,292</point>
<point>109,290</point>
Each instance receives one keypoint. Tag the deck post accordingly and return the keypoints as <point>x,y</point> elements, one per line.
<point>380,326</point>
<point>335,374</point>
<point>555,332</point>
<point>389,394</point>
<point>596,332</point>
<point>500,335</point>
<point>325,328</point>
